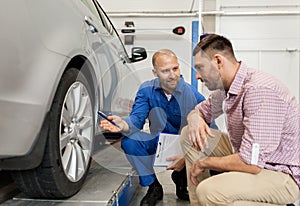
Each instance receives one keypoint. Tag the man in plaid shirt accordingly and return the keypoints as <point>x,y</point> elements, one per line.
<point>260,156</point>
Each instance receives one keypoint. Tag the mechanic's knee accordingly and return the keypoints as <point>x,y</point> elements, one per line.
<point>129,145</point>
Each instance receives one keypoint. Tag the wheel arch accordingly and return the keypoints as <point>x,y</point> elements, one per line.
<point>84,65</point>
<point>34,158</point>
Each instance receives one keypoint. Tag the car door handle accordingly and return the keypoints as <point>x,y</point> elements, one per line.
<point>123,59</point>
<point>88,21</point>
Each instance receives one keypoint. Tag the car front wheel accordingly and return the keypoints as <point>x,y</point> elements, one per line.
<point>69,145</point>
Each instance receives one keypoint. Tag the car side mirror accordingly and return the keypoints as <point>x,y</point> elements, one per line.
<point>138,54</point>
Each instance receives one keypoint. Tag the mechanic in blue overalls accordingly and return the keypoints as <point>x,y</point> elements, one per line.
<point>166,102</point>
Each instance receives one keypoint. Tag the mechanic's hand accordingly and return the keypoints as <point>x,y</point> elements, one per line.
<point>195,171</point>
<point>198,131</point>
<point>110,127</point>
<point>178,163</point>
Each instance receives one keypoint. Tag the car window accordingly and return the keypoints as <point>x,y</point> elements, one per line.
<point>91,6</point>
<point>105,21</point>
<point>96,9</point>
<point>109,26</point>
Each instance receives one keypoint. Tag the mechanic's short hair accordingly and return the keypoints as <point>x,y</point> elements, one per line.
<point>167,52</point>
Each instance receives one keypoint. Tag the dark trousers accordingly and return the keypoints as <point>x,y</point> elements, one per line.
<point>180,178</point>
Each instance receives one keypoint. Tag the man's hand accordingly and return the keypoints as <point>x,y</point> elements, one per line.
<point>178,163</point>
<point>195,170</point>
<point>198,130</point>
<point>232,162</point>
<point>112,128</point>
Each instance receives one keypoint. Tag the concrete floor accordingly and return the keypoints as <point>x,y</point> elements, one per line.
<point>105,176</point>
<point>169,198</point>
<point>98,189</point>
<point>163,175</point>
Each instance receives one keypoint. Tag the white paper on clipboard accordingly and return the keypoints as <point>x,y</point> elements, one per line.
<point>168,145</point>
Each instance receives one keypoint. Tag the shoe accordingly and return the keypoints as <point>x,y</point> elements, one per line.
<point>182,193</point>
<point>179,178</point>
<point>154,193</point>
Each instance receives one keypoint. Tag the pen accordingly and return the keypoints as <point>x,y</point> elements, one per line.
<point>103,115</point>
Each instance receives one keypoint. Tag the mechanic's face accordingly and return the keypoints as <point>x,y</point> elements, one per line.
<point>168,72</point>
<point>207,72</point>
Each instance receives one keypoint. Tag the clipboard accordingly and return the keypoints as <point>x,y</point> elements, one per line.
<point>168,145</point>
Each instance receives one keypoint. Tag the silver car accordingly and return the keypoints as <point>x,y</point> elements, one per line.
<point>61,61</point>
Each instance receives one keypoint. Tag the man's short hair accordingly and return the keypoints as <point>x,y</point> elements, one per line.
<point>162,52</point>
<point>213,43</point>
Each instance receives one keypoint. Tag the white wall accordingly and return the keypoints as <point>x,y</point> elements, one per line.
<point>154,34</point>
<point>146,5</point>
<point>267,42</point>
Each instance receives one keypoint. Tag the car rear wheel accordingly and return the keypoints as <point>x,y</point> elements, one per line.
<point>69,143</point>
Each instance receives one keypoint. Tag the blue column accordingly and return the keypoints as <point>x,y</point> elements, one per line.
<point>195,40</point>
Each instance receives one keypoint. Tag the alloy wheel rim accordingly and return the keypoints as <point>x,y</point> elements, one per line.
<point>76,131</point>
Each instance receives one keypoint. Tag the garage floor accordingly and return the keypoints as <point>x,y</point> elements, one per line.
<point>111,181</point>
<point>105,181</point>
<point>169,191</point>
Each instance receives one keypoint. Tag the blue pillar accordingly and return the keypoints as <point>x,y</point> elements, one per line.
<point>195,40</point>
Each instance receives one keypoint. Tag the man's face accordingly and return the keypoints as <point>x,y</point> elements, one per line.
<point>168,72</point>
<point>207,72</point>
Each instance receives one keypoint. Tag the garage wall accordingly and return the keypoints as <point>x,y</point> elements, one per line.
<point>154,36</point>
<point>146,5</point>
<point>154,21</point>
<point>265,33</point>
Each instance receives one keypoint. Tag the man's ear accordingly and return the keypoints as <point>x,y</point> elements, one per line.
<point>154,72</point>
<point>219,60</point>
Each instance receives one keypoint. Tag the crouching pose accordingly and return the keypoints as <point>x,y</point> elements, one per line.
<point>165,101</point>
<point>260,156</point>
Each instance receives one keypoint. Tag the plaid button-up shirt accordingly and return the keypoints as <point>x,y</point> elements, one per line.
<point>260,110</point>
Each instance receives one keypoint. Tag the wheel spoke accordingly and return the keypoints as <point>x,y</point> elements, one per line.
<point>85,142</point>
<point>73,164</point>
<point>81,159</point>
<point>85,123</point>
<point>64,140</point>
<point>66,156</point>
<point>76,93</point>
<point>70,105</point>
<point>67,118</point>
<point>83,106</point>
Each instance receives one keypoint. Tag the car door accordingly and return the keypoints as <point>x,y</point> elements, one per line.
<point>117,74</point>
<point>128,82</point>
<point>101,40</point>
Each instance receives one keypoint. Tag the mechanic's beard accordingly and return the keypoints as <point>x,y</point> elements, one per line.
<point>171,88</point>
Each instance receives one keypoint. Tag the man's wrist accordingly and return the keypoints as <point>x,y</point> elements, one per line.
<point>202,163</point>
<point>125,128</point>
<point>192,113</point>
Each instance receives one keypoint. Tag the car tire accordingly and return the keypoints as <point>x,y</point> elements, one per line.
<point>69,144</point>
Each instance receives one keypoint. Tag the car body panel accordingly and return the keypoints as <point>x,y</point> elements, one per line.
<point>35,51</point>
<point>24,84</point>
<point>23,111</point>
